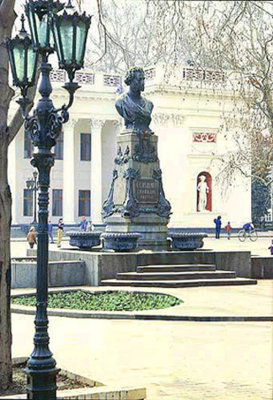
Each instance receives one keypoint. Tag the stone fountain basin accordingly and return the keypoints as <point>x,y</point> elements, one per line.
<point>120,241</point>
<point>187,241</point>
<point>83,239</point>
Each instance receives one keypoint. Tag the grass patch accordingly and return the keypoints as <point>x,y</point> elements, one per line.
<point>104,301</point>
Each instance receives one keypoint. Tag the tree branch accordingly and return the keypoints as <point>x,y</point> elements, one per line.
<point>6,10</point>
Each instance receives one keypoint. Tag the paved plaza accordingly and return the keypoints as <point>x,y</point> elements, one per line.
<point>260,247</point>
<point>174,360</point>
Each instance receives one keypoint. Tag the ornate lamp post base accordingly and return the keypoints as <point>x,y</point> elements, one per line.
<point>41,384</point>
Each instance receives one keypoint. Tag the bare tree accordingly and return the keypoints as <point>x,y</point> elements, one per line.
<point>133,34</point>
<point>8,132</point>
<point>239,38</point>
<point>7,17</point>
<point>234,38</point>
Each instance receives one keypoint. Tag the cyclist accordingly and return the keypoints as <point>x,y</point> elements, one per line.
<point>248,227</point>
<point>248,231</point>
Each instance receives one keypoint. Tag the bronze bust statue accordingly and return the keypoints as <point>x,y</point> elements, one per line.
<point>134,108</point>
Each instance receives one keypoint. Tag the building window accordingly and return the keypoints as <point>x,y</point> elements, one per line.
<point>57,202</point>
<point>59,148</point>
<point>28,203</point>
<point>84,203</point>
<point>85,147</point>
<point>28,147</point>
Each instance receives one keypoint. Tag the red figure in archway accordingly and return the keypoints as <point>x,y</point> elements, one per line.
<point>204,192</point>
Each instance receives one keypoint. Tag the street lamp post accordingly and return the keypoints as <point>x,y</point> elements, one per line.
<point>32,184</point>
<point>53,26</point>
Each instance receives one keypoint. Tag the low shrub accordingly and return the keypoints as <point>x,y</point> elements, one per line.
<point>104,301</point>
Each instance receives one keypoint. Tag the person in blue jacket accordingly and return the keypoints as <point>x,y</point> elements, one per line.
<point>218,223</point>
<point>83,224</point>
<point>248,227</point>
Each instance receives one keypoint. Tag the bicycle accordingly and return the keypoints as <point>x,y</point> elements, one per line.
<point>243,234</point>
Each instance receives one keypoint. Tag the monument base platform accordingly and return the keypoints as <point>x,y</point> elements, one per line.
<point>153,230</point>
<point>101,265</point>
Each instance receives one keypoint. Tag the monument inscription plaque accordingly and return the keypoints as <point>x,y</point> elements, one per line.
<point>146,190</point>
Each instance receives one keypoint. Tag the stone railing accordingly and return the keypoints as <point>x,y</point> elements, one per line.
<point>57,75</point>
<point>199,74</point>
<point>111,80</point>
<point>150,74</point>
<point>153,76</point>
<point>84,78</point>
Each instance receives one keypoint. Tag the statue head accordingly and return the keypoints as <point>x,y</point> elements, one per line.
<point>135,79</point>
<point>202,178</point>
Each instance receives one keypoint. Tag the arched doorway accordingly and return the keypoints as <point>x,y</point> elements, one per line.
<point>204,192</point>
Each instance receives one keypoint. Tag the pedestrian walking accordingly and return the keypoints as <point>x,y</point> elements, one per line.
<point>83,224</point>
<point>50,231</point>
<point>218,224</point>
<point>228,230</point>
<point>60,232</point>
<point>31,237</point>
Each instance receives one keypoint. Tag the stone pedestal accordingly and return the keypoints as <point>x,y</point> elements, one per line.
<point>136,200</point>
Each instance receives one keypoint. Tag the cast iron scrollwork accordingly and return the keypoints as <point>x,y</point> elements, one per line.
<point>56,121</point>
<point>122,158</point>
<point>32,129</point>
<point>108,207</point>
<point>163,208</point>
<point>130,207</point>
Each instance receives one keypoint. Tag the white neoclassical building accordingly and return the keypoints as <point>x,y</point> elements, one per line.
<point>186,118</point>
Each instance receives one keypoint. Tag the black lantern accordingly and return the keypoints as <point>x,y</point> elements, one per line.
<point>23,60</point>
<point>70,33</point>
<point>39,14</point>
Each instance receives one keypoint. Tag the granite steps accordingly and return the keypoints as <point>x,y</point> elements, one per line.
<point>171,276</point>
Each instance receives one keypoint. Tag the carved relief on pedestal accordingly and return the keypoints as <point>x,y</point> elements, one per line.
<point>144,151</point>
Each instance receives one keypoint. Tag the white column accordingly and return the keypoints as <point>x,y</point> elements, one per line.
<point>96,170</point>
<point>69,173</point>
